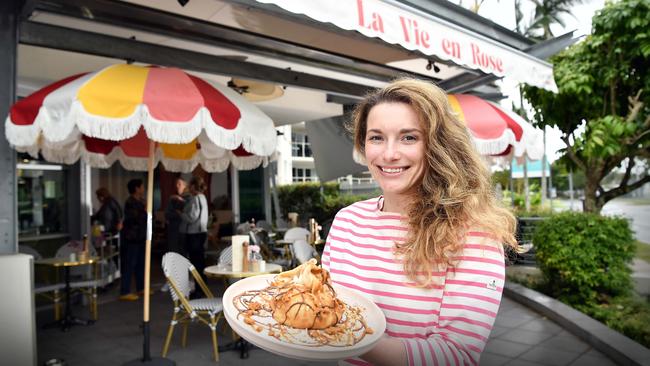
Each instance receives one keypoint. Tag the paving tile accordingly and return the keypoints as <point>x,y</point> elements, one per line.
<point>525,336</point>
<point>492,359</point>
<point>520,362</point>
<point>498,330</point>
<point>510,321</point>
<point>549,356</point>
<point>542,325</point>
<point>566,343</point>
<point>506,348</point>
<point>589,359</point>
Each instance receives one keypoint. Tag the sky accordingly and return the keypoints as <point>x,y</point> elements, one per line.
<point>502,13</point>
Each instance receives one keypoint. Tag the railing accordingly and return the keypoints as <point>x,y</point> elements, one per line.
<point>525,254</point>
<point>355,180</point>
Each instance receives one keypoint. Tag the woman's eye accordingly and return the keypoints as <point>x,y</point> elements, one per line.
<point>374,138</point>
<point>410,138</point>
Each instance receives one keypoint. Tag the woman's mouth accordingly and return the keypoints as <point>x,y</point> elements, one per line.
<point>392,170</point>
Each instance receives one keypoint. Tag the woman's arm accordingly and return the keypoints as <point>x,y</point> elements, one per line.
<point>470,302</point>
<point>388,352</point>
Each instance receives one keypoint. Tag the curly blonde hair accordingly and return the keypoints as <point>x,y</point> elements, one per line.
<point>454,195</point>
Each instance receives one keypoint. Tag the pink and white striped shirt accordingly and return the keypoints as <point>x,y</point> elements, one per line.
<point>447,323</point>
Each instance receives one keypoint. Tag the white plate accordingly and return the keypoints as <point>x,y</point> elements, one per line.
<point>374,318</point>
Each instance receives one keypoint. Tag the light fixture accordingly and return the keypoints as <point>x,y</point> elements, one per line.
<point>183,2</point>
<point>256,91</point>
<point>432,65</point>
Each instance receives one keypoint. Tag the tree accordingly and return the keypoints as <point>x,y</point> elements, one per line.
<point>604,85</point>
<point>547,12</point>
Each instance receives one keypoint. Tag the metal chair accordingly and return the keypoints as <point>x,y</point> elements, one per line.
<point>51,291</point>
<point>302,251</point>
<point>207,310</point>
<point>296,233</point>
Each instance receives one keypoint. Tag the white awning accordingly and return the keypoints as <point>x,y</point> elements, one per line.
<point>396,23</point>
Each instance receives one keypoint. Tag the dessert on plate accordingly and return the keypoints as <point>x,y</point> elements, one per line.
<point>300,306</point>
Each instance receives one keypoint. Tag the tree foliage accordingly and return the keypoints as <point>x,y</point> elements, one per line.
<point>604,85</point>
<point>547,12</point>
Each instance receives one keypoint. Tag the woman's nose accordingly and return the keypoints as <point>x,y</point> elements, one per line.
<point>392,151</point>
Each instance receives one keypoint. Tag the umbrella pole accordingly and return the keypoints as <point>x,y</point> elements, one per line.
<point>146,354</point>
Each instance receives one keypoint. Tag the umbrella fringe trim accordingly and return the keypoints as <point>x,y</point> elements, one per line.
<point>172,132</point>
<point>494,146</point>
<point>106,128</point>
<point>21,136</point>
<point>248,162</point>
<point>31,150</point>
<point>232,139</point>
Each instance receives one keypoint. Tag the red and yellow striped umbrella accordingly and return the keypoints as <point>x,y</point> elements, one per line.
<point>495,130</point>
<point>110,115</point>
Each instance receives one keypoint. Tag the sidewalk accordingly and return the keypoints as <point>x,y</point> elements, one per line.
<point>520,337</point>
<point>523,337</point>
<point>641,276</point>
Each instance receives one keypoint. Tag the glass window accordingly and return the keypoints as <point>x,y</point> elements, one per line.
<point>42,206</point>
<point>304,175</point>
<point>300,145</point>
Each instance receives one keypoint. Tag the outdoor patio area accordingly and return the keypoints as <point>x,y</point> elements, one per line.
<point>520,337</point>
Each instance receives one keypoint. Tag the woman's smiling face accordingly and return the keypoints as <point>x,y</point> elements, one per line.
<point>395,148</point>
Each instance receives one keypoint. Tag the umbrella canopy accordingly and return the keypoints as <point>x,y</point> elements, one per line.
<point>108,115</point>
<point>497,131</point>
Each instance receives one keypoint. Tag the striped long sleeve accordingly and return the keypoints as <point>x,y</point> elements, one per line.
<point>446,323</point>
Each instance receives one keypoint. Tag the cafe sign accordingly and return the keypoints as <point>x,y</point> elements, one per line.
<point>396,23</point>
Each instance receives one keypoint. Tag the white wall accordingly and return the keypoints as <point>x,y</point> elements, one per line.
<point>18,320</point>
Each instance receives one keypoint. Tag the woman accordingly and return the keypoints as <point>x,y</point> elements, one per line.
<point>195,219</point>
<point>428,251</point>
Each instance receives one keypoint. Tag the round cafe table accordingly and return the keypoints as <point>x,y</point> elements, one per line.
<point>225,272</point>
<point>68,319</point>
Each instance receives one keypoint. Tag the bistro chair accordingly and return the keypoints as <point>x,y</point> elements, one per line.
<point>243,228</point>
<point>83,278</point>
<point>296,233</point>
<point>303,252</point>
<point>207,310</point>
<point>264,225</point>
<point>50,291</point>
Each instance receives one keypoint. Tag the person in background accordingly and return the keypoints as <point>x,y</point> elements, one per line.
<point>109,214</point>
<point>173,212</point>
<point>195,220</point>
<point>134,235</point>
<point>175,205</point>
<point>429,251</point>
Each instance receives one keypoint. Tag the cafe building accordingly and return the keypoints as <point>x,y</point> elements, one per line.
<point>302,63</point>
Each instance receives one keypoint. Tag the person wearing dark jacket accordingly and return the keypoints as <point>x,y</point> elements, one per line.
<point>109,214</point>
<point>134,234</point>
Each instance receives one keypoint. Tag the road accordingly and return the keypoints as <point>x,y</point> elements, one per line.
<point>638,213</point>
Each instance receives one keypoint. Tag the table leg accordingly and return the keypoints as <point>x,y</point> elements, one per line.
<point>240,345</point>
<point>68,319</point>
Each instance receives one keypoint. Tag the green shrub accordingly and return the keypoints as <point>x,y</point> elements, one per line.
<point>584,257</point>
<point>306,199</point>
<point>629,315</point>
